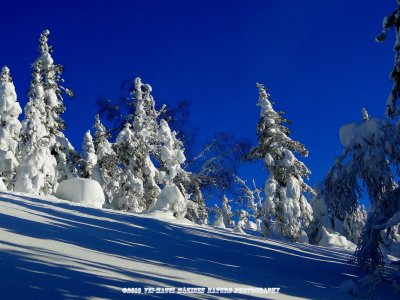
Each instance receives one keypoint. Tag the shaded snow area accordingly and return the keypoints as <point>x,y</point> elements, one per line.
<point>55,249</point>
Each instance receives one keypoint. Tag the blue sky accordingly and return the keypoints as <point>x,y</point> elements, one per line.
<point>317,58</point>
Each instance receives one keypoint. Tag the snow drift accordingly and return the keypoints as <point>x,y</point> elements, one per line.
<point>81,190</point>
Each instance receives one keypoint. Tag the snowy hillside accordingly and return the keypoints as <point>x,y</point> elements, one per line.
<point>57,249</point>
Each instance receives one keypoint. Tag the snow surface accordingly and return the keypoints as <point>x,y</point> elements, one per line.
<point>56,249</point>
<point>81,190</point>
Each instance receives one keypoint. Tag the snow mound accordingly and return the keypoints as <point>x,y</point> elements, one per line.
<point>334,239</point>
<point>81,190</point>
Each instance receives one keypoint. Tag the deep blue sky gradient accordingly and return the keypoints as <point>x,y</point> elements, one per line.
<point>318,59</point>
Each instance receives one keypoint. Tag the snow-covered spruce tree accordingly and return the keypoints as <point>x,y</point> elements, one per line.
<point>36,172</point>
<point>60,147</point>
<point>130,193</point>
<point>9,128</point>
<point>285,206</point>
<point>107,161</point>
<point>137,142</point>
<point>172,198</point>
<point>88,162</point>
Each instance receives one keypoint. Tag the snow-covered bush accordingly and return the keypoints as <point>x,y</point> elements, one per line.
<point>285,205</point>
<point>81,190</point>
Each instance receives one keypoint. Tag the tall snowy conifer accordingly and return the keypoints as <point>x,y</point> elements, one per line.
<point>285,205</point>
<point>9,128</point>
<point>36,172</point>
<point>51,73</point>
<point>144,128</point>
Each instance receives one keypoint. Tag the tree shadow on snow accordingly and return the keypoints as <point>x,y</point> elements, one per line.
<point>148,252</point>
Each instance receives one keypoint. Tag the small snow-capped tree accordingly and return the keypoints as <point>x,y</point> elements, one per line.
<point>60,147</point>
<point>36,172</point>
<point>88,162</point>
<point>285,205</point>
<point>218,217</point>
<point>171,198</point>
<point>243,216</point>
<point>9,128</point>
<point>226,211</point>
<point>107,160</point>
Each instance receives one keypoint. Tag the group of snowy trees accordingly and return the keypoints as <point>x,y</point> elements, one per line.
<point>35,156</point>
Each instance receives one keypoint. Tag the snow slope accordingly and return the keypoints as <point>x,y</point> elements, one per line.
<point>55,249</point>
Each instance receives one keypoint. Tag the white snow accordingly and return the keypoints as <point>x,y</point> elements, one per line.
<point>334,239</point>
<point>55,249</point>
<point>81,190</point>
